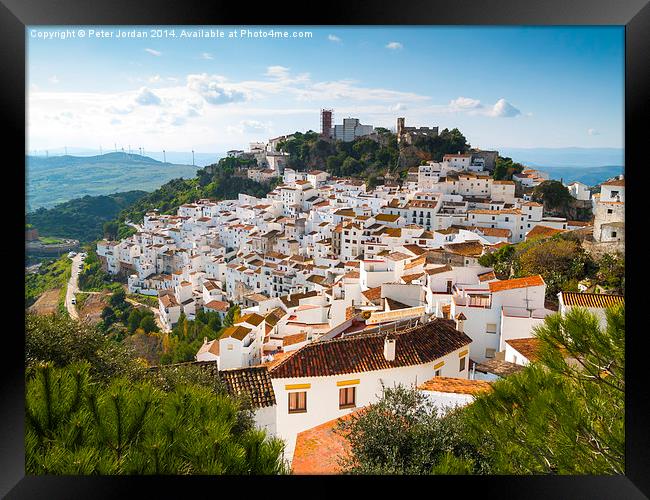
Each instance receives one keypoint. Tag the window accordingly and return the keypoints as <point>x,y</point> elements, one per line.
<point>491,328</point>
<point>462,365</point>
<point>297,402</point>
<point>613,234</point>
<point>437,373</point>
<point>347,397</point>
<point>490,353</point>
<point>609,211</point>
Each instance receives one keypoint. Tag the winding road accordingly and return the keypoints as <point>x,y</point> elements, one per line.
<point>73,286</point>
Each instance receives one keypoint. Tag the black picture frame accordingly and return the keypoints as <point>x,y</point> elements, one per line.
<point>16,14</point>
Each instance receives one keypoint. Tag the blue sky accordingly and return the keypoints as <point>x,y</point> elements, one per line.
<point>503,87</point>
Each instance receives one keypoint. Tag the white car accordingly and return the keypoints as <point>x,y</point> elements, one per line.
<point>71,254</point>
<point>73,301</point>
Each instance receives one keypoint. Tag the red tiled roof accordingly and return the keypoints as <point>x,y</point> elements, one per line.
<point>596,300</point>
<point>456,385</point>
<point>528,347</point>
<point>415,346</point>
<point>319,449</point>
<point>498,286</point>
<point>254,382</point>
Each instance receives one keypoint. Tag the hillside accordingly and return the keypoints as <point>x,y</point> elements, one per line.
<point>82,218</point>
<point>367,158</point>
<point>57,179</point>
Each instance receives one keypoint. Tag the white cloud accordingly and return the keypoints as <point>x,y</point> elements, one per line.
<point>465,103</point>
<point>504,109</point>
<point>214,90</point>
<point>399,107</point>
<point>146,97</point>
<point>207,56</point>
<point>154,79</point>
<point>593,131</point>
<point>279,72</point>
<point>394,46</point>
<point>120,111</point>
<point>333,38</point>
<point>253,126</point>
<point>153,52</point>
<point>53,79</point>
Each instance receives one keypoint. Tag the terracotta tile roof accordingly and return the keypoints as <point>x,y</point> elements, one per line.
<point>437,270</point>
<point>456,385</point>
<point>408,278</point>
<point>211,347</point>
<point>294,339</point>
<point>415,249</point>
<point>237,332</point>
<point>293,299</point>
<point>387,217</point>
<point>218,305</point>
<point>253,382</point>
<point>528,347</point>
<point>487,276</point>
<point>540,231</point>
<point>497,367</point>
<point>415,346</point>
<point>372,293</point>
<point>319,449</point>
<point>596,300</point>
<point>252,319</point>
<point>615,182</point>
<point>466,248</point>
<point>498,286</point>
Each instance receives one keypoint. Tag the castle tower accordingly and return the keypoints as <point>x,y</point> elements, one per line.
<point>400,127</point>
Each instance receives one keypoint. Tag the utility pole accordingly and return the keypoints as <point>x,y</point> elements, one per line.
<point>164,157</point>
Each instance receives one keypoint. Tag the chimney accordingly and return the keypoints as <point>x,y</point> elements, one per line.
<point>460,321</point>
<point>205,340</point>
<point>389,349</point>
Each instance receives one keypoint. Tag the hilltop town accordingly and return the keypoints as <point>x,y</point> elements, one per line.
<point>341,286</point>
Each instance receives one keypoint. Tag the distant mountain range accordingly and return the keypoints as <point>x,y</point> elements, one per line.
<point>57,179</point>
<point>176,157</point>
<point>590,166</point>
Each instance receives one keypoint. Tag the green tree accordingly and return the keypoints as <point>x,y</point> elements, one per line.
<point>110,230</point>
<point>232,315</point>
<point>505,168</point>
<point>148,324</point>
<point>63,341</point>
<point>554,195</point>
<point>403,433</point>
<point>134,320</point>
<point>565,413</point>
<point>75,426</point>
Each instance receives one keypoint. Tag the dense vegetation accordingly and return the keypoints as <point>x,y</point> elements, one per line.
<point>91,277</point>
<point>82,218</point>
<point>562,262</point>
<point>57,179</point>
<point>52,274</point>
<point>505,168</point>
<point>368,158</point>
<point>187,336</point>
<point>93,409</point>
<point>563,414</point>
<point>555,196</point>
